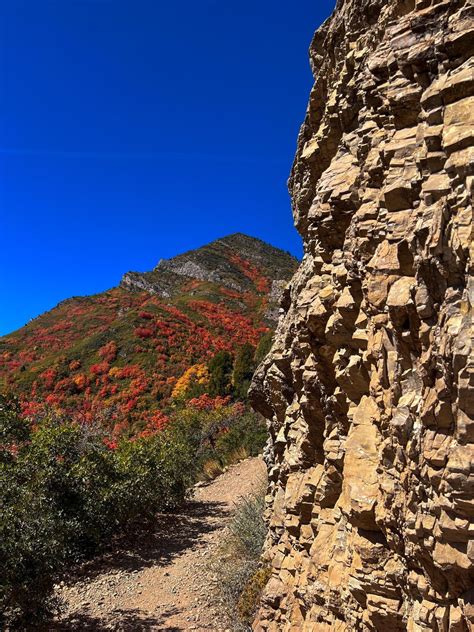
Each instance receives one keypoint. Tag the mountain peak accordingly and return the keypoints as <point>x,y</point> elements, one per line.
<point>237,261</point>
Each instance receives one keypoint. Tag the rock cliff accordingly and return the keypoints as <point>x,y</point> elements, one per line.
<point>369,386</point>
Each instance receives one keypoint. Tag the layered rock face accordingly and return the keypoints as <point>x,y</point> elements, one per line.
<point>369,385</point>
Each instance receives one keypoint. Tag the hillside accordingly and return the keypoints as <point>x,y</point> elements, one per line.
<point>119,354</point>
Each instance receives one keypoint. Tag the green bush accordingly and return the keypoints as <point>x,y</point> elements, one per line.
<point>220,374</point>
<point>223,435</point>
<point>248,432</point>
<point>32,550</point>
<point>248,527</point>
<point>64,494</point>
<point>263,347</point>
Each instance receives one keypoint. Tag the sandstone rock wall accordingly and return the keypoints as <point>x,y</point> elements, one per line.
<point>369,385</point>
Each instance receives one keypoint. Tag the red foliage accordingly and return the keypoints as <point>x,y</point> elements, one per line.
<point>130,405</point>
<point>144,332</point>
<point>66,385</point>
<point>236,328</point>
<point>109,351</point>
<point>157,421</point>
<point>49,377</point>
<point>26,356</point>
<point>159,345</point>
<point>119,428</point>
<point>251,272</point>
<point>206,402</point>
<point>238,408</point>
<point>111,443</point>
<point>230,293</point>
<point>100,368</point>
<point>31,409</point>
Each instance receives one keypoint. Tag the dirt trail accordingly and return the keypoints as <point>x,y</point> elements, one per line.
<point>163,582</point>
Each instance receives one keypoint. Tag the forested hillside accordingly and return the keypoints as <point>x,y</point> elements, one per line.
<point>127,354</point>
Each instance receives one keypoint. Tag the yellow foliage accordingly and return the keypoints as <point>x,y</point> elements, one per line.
<point>80,381</point>
<point>196,374</point>
<point>252,592</point>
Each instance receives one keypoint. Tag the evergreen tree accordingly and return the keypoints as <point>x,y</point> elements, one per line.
<point>244,367</point>
<point>220,374</point>
<point>263,347</point>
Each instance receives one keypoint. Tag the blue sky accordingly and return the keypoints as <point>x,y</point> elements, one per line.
<point>133,130</point>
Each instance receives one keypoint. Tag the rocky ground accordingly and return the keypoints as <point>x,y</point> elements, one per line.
<point>163,580</point>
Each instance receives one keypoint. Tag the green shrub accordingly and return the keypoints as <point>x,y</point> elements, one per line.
<point>247,431</point>
<point>244,367</point>
<point>220,374</point>
<point>263,347</point>
<point>32,551</point>
<point>223,435</point>
<point>248,527</point>
<point>237,562</point>
<point>64,494</point>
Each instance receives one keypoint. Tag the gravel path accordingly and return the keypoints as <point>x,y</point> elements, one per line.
<point>162,582</point>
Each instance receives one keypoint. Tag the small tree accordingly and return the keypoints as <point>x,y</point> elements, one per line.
<point>192,383</point>
<point>220,374</point>
<point>14,430</point>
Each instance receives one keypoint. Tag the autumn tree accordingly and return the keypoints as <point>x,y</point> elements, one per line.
<point>192,383</point>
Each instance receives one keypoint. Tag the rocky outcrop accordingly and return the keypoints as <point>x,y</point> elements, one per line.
<point>369,386</point>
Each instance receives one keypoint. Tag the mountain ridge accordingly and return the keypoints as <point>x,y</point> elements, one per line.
<point>159,268</point>
<point>191,265</point>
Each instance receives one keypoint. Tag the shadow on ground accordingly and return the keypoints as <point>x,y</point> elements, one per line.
<point>171,535</point>
<point>119,621</point>
<point>158,544</point>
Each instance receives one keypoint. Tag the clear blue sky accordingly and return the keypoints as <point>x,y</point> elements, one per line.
<point>132,130</point>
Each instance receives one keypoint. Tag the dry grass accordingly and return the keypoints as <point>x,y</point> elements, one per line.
<point>239,454</point>
<point>211,469</point>
<point>251,594</point>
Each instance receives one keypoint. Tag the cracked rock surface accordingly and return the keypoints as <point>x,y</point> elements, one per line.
<point>369,386</point>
